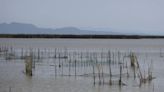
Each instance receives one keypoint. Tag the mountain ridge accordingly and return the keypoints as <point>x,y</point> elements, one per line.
<point>23,28</point>
<point>26,28</point>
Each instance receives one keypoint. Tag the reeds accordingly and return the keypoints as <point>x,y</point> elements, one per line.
<point>102,65</point>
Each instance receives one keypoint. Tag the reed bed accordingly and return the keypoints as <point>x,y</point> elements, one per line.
<point>103,66</point>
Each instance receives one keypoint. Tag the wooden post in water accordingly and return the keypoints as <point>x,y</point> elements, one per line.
<point>59,60</point>
<point>110,71</point>
<point>127,70</point>
<point>94,77</point>
<point>134,72</point>
<point>32,55</point>
<point>132,59</point>
<point>99,73</point>
<point>9,89</point>
<point>160,52</point>
<point>81,59</point>
<point>62,67</point>
<point>22,55</point>
<point>28,66</point>
<point>102,74</point>
<point>75,67</point>
<point>120,80</point>
<point>55,68</point>
<point>38,54</point>
<point>69,67</point>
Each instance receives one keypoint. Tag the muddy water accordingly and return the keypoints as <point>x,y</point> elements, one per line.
<point>13,78</point>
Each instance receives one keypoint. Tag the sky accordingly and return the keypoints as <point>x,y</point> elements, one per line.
<point>145,16</point>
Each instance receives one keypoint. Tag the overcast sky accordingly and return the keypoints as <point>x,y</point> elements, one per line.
<point>133,15</point>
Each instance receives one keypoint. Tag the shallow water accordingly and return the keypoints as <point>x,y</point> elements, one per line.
<point>13,78</point>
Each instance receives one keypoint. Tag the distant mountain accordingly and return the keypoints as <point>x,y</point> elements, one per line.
<point>17,28</point>
<point>22,28</point>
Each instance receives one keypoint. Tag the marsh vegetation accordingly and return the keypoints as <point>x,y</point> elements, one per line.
<point>89,68</point>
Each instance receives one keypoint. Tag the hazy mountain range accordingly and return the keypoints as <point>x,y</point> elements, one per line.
<point>22,28</point>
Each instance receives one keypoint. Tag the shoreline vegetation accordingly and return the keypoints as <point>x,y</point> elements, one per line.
<point>80,36</point>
